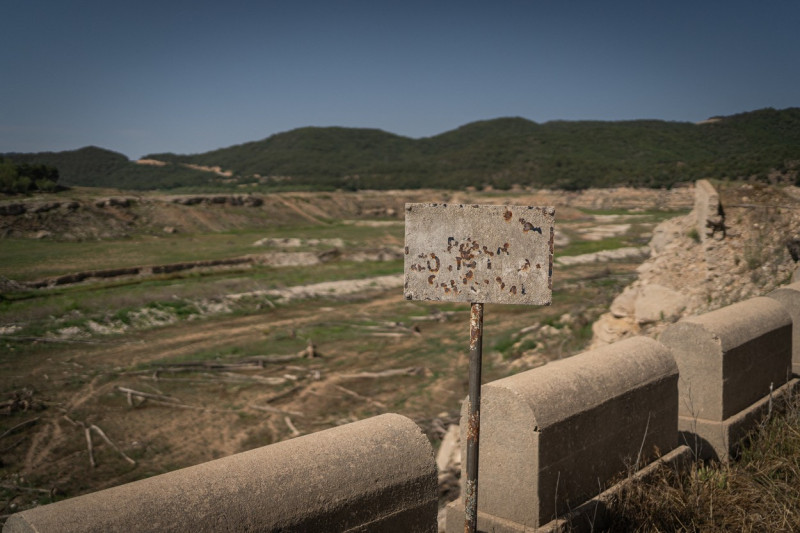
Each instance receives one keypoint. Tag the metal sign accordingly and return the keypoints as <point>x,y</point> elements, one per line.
<point>479,253</point>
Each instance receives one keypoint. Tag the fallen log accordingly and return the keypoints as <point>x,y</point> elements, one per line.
<point>108,441</point>
<point>148,396</point>
<point>88,434</point>
<point>19,426</point>
<point>354,394</point>
<point>410,371</point>
<point>295,432</point>
<point>275,410</point>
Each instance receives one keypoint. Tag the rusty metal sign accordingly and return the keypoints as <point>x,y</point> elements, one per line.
<point>479,253</point>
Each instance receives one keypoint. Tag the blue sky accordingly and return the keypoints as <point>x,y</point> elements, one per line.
<point>191,76</point>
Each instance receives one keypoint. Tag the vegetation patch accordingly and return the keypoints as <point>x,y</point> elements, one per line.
<point>758,491</point>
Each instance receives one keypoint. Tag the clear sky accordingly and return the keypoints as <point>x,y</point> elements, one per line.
<point>150,76</point>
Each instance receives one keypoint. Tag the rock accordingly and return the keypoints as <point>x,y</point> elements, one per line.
<point>42,234</point>
<point>624,304</point>
<point>560,238</point>
<point>548,331</point>
<point>658,303</point>
<point>708,210</point>
<point>567,319</point>
<point>640,252</point>
<point>45,207</point>
<point>664,234</point>
<point>449,454</point>
<point>598,233</point>
<point>170,230</point>
<point>118,202</point>
<point>12,209</point>
<point>608,329</point>
<point>793,246</point>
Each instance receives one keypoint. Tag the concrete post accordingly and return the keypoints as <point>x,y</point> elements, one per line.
<point>551,437</point>
<point>789,297</point>
<point>707,209</point>
<point>731,361</point>
<point>374,475</point>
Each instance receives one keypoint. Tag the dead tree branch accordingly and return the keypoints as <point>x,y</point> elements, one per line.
<point>295,432</point>
<point>88,435</point>
<point>410,371</point>
<point>108,441</point>
<point>19,426</point>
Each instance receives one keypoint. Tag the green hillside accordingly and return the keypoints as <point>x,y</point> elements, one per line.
<point>96,167</point>
<point>508,151</point>
<point>500,152</point>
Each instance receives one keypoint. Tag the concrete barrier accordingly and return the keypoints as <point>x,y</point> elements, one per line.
<point>789,297</point>
<point>732,362</point>
<point>555,436</point>
<point>378,474</point>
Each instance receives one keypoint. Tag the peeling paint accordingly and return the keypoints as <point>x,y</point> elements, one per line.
<point>466,248</point>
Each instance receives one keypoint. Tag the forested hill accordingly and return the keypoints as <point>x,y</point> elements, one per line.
<point>500,153</point>
<point>97,167</point>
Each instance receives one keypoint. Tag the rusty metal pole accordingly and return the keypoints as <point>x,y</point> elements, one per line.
<point>474,424</point>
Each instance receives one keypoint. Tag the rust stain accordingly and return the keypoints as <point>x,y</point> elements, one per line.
<point>507,215</point>
<point>527,226</point>
<point>431,278</point>
<point>474,426</point>
<point>526,266</point>
<point>513,289</point>
<point>470,506</point>
<point>475,326</point>
<point>550,270</point>
<point>406,250</point>
<point>438,263</point>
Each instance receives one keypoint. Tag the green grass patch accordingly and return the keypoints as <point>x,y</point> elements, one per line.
<point>589,247</point>
<point>27,259</point>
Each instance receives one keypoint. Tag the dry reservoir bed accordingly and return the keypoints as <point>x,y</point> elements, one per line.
<point>165,371</point>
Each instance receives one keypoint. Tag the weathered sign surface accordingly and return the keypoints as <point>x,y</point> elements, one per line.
<point>479,253</point>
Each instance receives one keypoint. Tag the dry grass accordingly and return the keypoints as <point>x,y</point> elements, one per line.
<point>758,491</point>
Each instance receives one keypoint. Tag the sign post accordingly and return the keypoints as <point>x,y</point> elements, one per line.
<point>478,254</point>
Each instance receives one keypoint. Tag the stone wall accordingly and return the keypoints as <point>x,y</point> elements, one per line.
<point>731,361</point>
<point>551,435</point>
<point>555,437</point>
<point>378,474</point>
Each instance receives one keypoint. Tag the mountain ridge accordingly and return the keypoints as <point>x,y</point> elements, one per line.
<point>502,152</point>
